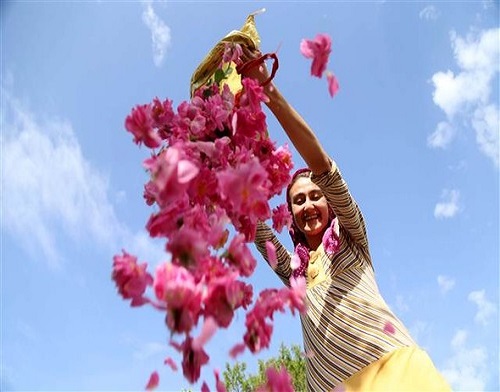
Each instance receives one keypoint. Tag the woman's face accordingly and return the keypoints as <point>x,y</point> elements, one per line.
<point>309,207</point>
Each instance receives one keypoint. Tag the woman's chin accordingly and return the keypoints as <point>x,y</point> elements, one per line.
<point>311,231</point>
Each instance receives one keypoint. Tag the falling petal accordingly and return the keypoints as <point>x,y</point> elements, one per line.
<point>153,382</point>
<point>295,261</point>
<point>271,254</point>
<point>219,385</point>
<point>237,350</point>
<point>319,50</point>
<point>207,331</point>
<point>333,84</point>
<point>204,387</point>
<point>339,388</point>
<point>170,362</point>
<point>176,345</point>
<point>389,328</point>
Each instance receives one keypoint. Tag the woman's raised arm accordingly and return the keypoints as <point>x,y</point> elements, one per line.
<point>298,131</point>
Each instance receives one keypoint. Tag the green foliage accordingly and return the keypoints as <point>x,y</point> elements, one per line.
<point>237,380</point>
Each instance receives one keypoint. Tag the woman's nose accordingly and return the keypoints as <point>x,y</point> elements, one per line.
<point>309,205</point>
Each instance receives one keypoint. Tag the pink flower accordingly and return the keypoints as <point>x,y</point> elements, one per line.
<point>207,331</point>
<point>175,286</point>
<point>240,256</point>
<point>140,124</point>
<point>171,174</point>
<point>278,167</point>
<point>163,117</point>
<point>333,84</point>
<point>253,94</point>
<point>319,50</point>
<point>223,297</point>
<point>245,189</point>
<point>258,335</point>
<point>248,125</point>
<point>277,380</point>
<point>281,217</point>
<point>186,246</point>
<point>153,382</point>
<point>232,52</point>
<point>191,120</point>
<point>168,219</point>
<point>218,112</point>
<point>131,278</point>
<point>331,241</point>
<point>217,166</point>
<point>271,254</point>
<point>217,305</point>
<point>193,360</point>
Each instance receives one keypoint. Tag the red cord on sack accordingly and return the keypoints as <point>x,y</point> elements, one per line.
<point>257,62</point>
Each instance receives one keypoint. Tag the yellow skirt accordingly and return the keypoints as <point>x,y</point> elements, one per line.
<point>405,369</point>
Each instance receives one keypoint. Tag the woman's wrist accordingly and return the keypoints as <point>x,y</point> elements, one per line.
<point>274,95</point>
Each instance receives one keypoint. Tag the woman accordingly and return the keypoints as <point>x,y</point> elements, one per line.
<point>352,340</point>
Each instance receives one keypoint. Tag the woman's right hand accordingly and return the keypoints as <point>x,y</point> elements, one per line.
<point>258,70</point>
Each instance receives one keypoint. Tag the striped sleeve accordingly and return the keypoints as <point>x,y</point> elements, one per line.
<point>283,268</point>
<point>345,207</point>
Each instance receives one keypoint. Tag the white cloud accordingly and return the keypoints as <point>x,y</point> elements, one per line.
<point>160,32</point>
<point>442,136</point>
<point>51,193</point>
<point>487,126</point>
<point>487,4</point>
<point>401,304</point>
<point>445,283</point>
<point>429,13</point>
<point>467,94</point>
<point>48,183</point>
<point>449,206</point>
<point>485,308</point>
<point>143,351</point>
<point>466,370</point>
<point>148,350</point>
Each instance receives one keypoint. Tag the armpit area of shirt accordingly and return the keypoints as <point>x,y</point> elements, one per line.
<point>318,177</point>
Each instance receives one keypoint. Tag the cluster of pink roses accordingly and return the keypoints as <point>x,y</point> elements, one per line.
<point>212,165</point>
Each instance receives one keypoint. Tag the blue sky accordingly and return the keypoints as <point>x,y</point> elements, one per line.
<point>414,128</point>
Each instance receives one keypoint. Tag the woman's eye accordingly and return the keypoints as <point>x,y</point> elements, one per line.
<point>299,200</point>
<point>316,196</point>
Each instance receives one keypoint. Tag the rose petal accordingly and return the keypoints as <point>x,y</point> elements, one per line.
<point>333,84</point>
<point>271,254</point>
<point>207,331</point>
<point>389,328</point>
<point>153,382</point>
<point>237,350</point>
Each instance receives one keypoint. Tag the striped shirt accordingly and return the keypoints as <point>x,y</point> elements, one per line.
<point>348,325</point>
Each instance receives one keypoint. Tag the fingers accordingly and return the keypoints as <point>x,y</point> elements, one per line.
<point>250,54</point>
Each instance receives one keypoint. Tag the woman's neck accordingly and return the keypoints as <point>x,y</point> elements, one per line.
<point>315,241</point>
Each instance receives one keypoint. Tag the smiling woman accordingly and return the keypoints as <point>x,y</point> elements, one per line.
<point>352,340</point>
